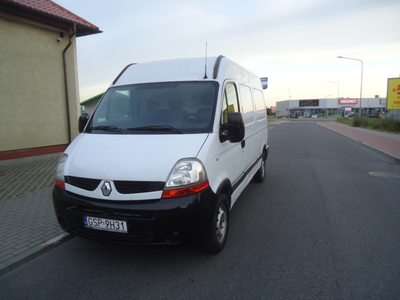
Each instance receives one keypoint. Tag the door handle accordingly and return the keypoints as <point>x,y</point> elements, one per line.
<point>243,143</point>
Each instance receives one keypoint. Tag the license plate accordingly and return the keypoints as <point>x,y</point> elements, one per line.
<point>105,224</point>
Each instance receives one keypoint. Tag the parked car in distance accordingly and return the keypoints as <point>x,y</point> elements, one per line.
<point>351,116</point>
<point>373,116</point>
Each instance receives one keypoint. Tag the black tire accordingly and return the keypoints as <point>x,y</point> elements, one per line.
<point>260,175</point>
<point>216,233</point>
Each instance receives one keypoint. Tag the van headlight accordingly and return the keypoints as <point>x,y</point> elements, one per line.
<point>187,177</point>
<point>60,171</point>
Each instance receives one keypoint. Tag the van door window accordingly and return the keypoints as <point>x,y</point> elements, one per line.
<point>247,104</point>
<point>230,102</point>
<point>260,105</point>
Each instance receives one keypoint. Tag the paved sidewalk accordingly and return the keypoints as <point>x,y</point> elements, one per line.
<point>28,223</point>
<point>384,142</point>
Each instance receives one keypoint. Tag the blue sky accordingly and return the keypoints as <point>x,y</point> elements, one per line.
<point>295,43</point>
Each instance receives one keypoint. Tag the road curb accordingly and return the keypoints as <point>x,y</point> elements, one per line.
<point>33,253</point>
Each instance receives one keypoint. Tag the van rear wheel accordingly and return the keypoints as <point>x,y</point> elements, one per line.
<point>216,233</point>
<point>260,175</point>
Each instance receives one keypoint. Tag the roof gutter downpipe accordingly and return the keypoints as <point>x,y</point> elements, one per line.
<point>70,35</point>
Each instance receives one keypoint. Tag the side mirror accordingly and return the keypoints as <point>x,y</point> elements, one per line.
<point>232,131</point>
<point>82,122</point>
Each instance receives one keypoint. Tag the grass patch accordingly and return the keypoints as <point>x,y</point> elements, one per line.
<point>384,125</point>
<point>345,121</point>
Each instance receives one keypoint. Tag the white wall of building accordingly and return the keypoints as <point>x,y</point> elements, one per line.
<point>329,107</point>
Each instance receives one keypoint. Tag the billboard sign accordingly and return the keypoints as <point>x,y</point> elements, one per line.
<point>309,102</point>
<point>352,101</point>
<point>393,93</point>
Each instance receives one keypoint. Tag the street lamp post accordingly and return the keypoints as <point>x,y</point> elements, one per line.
<point>326,109</point>
<point>359,113</point>
<point>289,102</point>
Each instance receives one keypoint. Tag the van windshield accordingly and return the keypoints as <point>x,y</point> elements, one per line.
<point>156,108</point>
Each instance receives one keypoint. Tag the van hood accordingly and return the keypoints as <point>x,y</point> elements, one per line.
<point>129,157</point>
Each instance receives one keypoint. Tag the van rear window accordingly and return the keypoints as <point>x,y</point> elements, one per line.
<point>167,108</point>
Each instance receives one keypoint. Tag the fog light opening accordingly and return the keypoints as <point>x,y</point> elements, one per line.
<point>173,238</point>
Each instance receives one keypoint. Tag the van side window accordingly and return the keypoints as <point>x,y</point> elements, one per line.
<point>230,102</point>
<point>260,105</point>
<point>247,104</point>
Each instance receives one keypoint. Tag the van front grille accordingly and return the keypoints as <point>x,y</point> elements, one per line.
<point>83,183</point>
<point>133,187</point>
<point>123,187</point>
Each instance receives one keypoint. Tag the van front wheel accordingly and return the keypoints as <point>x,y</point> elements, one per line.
<point>216,233</point>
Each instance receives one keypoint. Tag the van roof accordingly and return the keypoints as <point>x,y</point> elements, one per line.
<point>186,69</point>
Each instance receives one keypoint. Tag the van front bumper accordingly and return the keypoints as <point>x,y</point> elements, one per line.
<point>159,221</point>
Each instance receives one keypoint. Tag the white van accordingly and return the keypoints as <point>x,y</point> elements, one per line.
<point>165,155</point>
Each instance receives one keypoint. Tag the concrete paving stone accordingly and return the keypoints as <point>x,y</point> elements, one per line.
<point>27,176</point>
<point>52,230</point>
<point>26,208</point>
<point>35,237</point>
<point>8,245</point>
<point>50,236</point>
<point>5,253</point>
<point>6,249</point>
<point>25,236</point>
<point>6,257</point>
<point>21,245</point>
<point>6,240</point>
<point>9,239</point>
<point>22,236</point>
<point>19,251</point>
<point>4,235</point>
<point>10,230</point>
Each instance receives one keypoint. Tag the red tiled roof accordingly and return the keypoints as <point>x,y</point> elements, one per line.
<point>53,10</point>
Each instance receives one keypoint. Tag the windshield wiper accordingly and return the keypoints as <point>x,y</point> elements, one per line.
<point>107,128</point>
<point>157,128</point>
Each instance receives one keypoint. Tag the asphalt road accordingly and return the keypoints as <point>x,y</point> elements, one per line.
<point>320,227</point>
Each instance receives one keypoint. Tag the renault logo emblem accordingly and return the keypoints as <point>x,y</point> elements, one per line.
<point>106,188</point>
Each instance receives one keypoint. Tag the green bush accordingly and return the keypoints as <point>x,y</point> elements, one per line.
<point>377,125</point>
<point>388,125</point>
<point>344,121</point>
<point>356,122</point>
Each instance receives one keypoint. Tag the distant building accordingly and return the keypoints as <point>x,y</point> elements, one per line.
<point>330,107</point>
<point>273,109</point>
<point>90,104</point>
<point>39,96</point>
